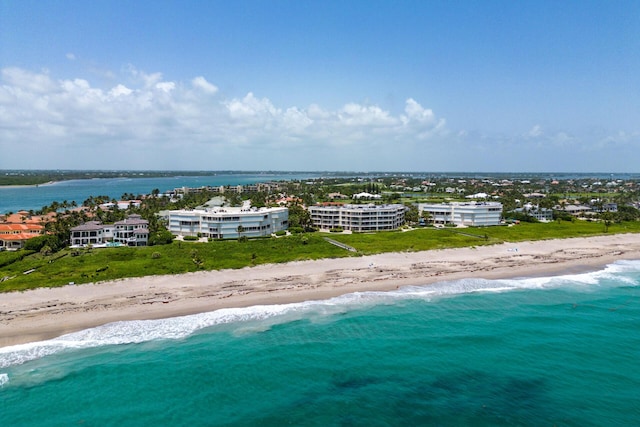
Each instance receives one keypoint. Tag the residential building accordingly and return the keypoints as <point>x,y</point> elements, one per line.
<point>541,214</point>
<point>476,214</point>
<point>89,233</point>
<point>477,196</point>
<point>603,207</point>
<point>17,228</point>
<point>14,236</point>
<point>358,218</point>
<point>367,196</point>
<point>337,196</point>
<point>577,210</point>
<point>228,222</point>
<point>132,231</point>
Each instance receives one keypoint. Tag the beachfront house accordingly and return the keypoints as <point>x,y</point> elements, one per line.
<point>228,222</point>
<point>17,228</point>
<point>89,233</point>
<point>358,218</point>
<point>132,231</point>
<point>475,214</point>
<point>14,236</point>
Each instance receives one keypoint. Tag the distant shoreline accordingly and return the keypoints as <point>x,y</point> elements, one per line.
<point>46,313</point>
<point>29,185</point>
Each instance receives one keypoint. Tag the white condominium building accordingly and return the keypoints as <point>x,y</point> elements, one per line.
<point>358,218</point>
<point>228,222</point>
<point>476,214</point>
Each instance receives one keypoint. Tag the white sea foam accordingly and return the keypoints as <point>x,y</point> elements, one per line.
<point>4,378</point>
<point>132,332</point>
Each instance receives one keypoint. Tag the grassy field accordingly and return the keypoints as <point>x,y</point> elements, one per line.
<point>439,238</point>
<point>180,257</point>
<point>95,265</point>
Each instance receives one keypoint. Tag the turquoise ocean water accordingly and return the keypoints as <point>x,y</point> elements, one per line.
<point>552,351</point>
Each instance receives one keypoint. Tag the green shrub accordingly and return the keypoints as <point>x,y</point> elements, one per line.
<point>162,237</point>
<point>190,238</point>
<point>37,243</point>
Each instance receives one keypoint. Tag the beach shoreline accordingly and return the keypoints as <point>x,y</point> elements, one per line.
<point>47,313</point>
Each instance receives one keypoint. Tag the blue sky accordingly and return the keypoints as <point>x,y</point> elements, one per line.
<point>321,85</point>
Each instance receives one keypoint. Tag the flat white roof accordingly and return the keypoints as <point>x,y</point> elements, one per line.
<point>228,210</point>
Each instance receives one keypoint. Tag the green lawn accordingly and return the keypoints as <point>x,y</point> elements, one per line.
<point>180,257</point>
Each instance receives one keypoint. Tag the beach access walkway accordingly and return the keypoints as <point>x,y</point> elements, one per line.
<point>340,245</point>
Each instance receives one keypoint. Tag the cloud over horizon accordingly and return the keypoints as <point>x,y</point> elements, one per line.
<point>150,111</point>
<point>190,123</point>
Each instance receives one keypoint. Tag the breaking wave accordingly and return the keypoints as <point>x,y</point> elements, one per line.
<point>4,378</point>
<point>132,332</point>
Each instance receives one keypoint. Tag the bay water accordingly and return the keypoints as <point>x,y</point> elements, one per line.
<point>545,351</point>
<point>16,198</point>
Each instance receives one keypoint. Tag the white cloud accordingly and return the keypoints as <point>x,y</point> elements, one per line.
<point>166,86</point>
<point>563,139</point>
<point>358,115</point>
<point>415,111</point>
<point>250,106</point>
<point>70,56</point>
<point>296,120</point>
<point>149,80</point>
<point>18,79</point>
<point>76,116</point>
<point>201,83</point>
<point>145,117</point>
<point>120,90</point>
<point>535,131</point>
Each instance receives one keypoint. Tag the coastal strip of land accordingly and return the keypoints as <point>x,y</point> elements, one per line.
<point>46,313</point>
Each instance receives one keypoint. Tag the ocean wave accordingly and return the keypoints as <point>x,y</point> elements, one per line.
<point>4,378</point>
<point>266,316</point>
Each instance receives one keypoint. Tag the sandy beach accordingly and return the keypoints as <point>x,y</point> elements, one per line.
<point>46,313</point>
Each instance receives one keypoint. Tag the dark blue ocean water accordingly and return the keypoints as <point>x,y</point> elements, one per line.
<point>555,351</point>
<point>13,199</point>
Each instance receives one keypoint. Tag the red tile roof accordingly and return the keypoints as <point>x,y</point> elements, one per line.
<point>20,228</point>
<point>19,236</point>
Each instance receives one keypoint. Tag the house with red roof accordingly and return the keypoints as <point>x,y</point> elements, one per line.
<point>14,236</point>
<point>17,228</point>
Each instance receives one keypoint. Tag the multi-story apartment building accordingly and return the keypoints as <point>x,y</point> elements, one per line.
<point>358,218</point>
<point>476,214</point>
<point>228,222</point>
